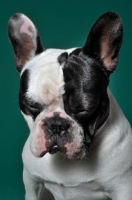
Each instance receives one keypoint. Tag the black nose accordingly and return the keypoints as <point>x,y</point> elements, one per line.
<point>58,128</point>
<point>57,125</point>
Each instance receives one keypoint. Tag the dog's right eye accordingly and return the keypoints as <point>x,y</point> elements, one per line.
<point>34,108</point>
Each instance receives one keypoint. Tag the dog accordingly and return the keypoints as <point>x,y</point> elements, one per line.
<point>80,143</point>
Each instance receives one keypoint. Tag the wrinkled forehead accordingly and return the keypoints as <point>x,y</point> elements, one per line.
<point>44,76</point>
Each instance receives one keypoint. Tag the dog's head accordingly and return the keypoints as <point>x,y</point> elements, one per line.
<point>63,93</point>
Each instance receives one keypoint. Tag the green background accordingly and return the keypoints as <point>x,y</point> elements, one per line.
<point>62,24</point>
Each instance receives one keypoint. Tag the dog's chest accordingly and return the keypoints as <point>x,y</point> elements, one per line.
<point>76,191</point>
<point>70,180</point>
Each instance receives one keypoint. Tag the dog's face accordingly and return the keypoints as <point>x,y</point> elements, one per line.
<point>63,93</point>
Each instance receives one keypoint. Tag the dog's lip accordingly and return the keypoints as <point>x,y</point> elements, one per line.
<point>42,154</point>
<point>54,149</point>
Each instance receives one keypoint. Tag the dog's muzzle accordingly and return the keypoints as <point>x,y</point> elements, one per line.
<point>57,129</point>
<point>57,132</point>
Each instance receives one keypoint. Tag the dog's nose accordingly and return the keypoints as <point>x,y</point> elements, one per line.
<point>57,126</point>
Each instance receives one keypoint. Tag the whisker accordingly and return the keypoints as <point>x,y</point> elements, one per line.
<point>64,157</point>
<point>88,148</point>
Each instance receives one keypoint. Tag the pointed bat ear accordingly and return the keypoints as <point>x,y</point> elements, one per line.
<point>104,40</point>
<point>24,39</point>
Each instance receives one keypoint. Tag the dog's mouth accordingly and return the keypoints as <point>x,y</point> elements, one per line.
<point>68,150</point>
<point>52,146</point>
<point>54,149</point>
<point>70,154</point>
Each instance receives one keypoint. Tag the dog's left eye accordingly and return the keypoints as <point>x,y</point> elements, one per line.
<point>86,112</point>
<point>83,112</point>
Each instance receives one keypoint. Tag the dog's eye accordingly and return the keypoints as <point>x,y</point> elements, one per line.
<point>33,108</point>
<point>83,112</point>
<point>86,112</point>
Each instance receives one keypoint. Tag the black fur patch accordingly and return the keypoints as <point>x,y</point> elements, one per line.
<point>62,58</point>
<point>27,106</point>
<point>40,48</point>
<point>85,98</point>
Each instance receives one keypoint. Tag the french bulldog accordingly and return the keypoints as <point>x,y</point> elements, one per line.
<point>80,143</point>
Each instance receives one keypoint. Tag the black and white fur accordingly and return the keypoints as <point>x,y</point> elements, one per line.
<point>80,143</point>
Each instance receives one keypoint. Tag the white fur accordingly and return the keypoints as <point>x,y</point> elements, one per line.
<point>106,173</point>
<point>46,76</point>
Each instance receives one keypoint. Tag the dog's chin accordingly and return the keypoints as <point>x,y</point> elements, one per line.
<point>77,156</point>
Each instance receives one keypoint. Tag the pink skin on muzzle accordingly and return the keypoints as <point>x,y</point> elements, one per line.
<point>61,115</point>
<point>40,141</point>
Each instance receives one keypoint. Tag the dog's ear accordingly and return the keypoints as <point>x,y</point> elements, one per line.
<point>104,40</point>
<point>24,39</point>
